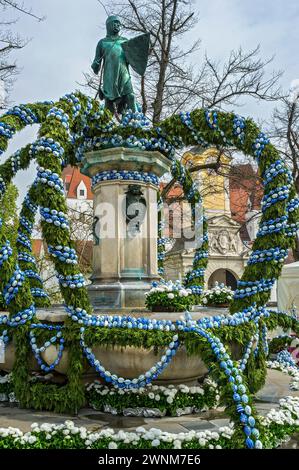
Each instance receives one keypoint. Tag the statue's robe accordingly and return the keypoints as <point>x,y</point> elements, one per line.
<point>116,76</point>
<point>117,53</point>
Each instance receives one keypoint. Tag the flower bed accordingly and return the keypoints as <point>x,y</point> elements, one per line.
<point>154,400</point>
<point>277,426</point>
<point>169,297</point>
<point>219,296</point>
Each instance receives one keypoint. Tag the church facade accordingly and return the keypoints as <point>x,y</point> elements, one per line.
<point>231,201</point>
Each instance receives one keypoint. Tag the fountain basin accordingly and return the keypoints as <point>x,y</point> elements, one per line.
<point>128,362</point>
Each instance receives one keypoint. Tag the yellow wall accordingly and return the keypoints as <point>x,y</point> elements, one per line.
<point>211,185</point>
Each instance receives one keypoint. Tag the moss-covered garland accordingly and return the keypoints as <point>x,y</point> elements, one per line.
<point>194,278</point>
<point>60,124</point>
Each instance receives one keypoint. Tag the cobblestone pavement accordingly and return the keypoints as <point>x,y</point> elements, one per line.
<point>276,387</point>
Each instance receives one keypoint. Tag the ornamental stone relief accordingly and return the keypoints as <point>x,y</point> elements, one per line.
<point>223,242</point>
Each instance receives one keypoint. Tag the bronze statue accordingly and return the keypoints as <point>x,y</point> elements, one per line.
<point>114,54</point>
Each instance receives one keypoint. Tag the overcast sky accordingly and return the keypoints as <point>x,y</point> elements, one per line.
<point>62,47</point>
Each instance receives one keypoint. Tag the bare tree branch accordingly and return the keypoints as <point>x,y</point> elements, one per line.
<point>172,82</point>
<point>21,8</point>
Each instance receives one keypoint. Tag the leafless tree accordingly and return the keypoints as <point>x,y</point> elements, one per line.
<point>285,131</point>
<point>10,42</point>
<point>172,82</point>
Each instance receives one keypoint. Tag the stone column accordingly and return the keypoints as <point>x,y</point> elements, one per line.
<point>124,258</point>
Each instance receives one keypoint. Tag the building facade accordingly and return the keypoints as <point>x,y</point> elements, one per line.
<point>231,202</point>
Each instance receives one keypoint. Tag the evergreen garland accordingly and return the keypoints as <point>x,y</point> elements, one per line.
<point>65,127</point>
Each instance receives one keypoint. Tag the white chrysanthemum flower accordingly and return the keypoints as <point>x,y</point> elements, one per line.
<point>112,445</point>
<point>177,444</point>
<point>155,442</point>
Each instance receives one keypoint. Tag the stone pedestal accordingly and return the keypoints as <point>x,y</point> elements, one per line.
<point>124,258</point>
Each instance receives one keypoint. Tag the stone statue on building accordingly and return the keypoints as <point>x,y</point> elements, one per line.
<point>114,55</point>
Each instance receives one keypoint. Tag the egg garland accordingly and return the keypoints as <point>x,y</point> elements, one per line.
<point>6,131</point>
<point>72,281</point>
<point>212,122</point>
<point>196,282</point>
<point>136,120</point>
<point>213,134</point>
<point>33,275</point>
<point>26,259</point>
<point>4,338</point>
<point>58,338</point>
<point>2,186</point>
<point>259,145</point>
<point>142,380</point>
<point>57,218</point>
<point>247,351</point>
<point>117,140</point>
<point>278,255</point>
<point>194,274</point>
<point>248,288</point>
<point>38,292</point>
<point>239,390</point>
<point>274,170</point>
<point>239,126</point>
<point>264,340</point>
<point>49,178</point>
<point>49,146</point>
<point>278,194</point>
<point>273,226</point>
<point>292,229</point>
<point>24,113</point>
<point>15,162</point>
<point>58,113</point>
<point>64,254</point>
<point>21,317</point>
<point>125,175</point>
<point>293,204</point>
<point>76,105</point>
<point>5,253</point>
<point>29,204</point>
<point>187,121</point>
<point>12,287</point>
<point>26,224</point>
<point>19,117</point>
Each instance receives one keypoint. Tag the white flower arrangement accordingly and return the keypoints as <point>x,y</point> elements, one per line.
<point>171,288</point>
<point>154,399</point>
<point>47,435</point>
<point>169,295</point>
<point>218,295</point>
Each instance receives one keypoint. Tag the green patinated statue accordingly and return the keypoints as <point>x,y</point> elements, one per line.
<point>114,54</point>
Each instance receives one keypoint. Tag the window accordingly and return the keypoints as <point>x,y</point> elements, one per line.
<point>82,192</point>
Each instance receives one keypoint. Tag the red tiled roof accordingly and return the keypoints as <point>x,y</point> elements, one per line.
<point>73,176</point>
<point>175,191</point>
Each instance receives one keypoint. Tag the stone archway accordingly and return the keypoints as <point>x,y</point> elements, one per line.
<point>223,276</point>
